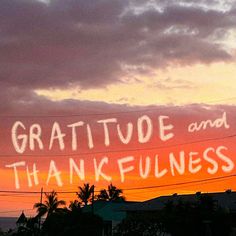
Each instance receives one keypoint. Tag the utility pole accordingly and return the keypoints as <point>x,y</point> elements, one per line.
<point>41,201</point>
<point>93,200</point>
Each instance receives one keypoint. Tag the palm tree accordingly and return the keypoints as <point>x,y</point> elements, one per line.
<point>111,194</point>
<point>50,205</point>
<point>74,206</point>
<point>85,193</point>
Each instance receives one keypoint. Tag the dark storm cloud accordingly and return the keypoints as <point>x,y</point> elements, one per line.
<point>95,43</point>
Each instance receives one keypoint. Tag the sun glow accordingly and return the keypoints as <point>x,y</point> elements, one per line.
<point>173,85</point>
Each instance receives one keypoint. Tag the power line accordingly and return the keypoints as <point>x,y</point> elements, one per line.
<point>17,196</point>
<point>32,192</point>
<point>189,184</point>
<point>139,191</point>
<point>181,183</point>
<point>117,151</point>
<point>78,115</point>
<point>3,212</point>
<point>26,202</point>
<point>129,189</point>
<point>104,113</point>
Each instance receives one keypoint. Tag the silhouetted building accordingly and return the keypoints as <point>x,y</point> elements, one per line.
<point>226,200</point>
<point>111,212</point>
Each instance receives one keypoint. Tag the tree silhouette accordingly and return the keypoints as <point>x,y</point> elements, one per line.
<point>111,194</point>
<point>50,205</point>
<point>74,206</point>
<point>85,193</point>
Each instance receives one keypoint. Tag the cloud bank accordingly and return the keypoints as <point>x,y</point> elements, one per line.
<point>92,44</point>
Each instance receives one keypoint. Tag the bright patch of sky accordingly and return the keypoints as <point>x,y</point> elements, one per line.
<point>220,5</point>
<point>173,85</point>
<point>44,1</point>
<point>138,7</point>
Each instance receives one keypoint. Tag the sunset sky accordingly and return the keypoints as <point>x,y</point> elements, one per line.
<point>87,60</point>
